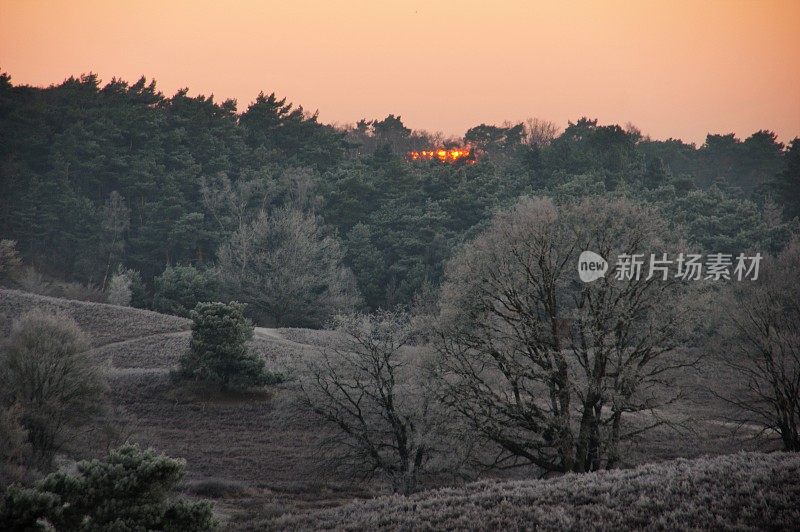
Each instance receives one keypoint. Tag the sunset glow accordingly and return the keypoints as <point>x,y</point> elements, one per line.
<point>444,155</point>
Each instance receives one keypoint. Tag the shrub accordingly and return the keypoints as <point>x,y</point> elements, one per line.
<point>29,280</point>
<point>118,291</point>
<point>219,352</point>
<point>25,509</point>
<point>9,261</point>
<point>130,490</point>
<point>45,368</point>
<point>179,289</point>
<point>77,291</point>
<point>14,449</point>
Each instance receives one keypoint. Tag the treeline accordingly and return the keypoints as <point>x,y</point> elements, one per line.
<point>99,180</point>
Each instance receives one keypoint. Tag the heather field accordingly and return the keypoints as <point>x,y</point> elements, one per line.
<point>744,491</point>
<point>256,454</point>
<point>104,324</point>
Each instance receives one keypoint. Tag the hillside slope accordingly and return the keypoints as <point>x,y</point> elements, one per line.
<point>103,323</point>
<point>741,491</point>
<point>258,446</point>
<point>257,453</point>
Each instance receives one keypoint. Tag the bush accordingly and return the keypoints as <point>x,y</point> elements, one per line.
<point>13,450</point>
<point>9,261</point>
<point>218,352</point>
<point>29,280</point>
<point>118,291</point>
<point>179,289</point>
<point>126,289</point>
<point>130,490</point>
<point>45,368</point>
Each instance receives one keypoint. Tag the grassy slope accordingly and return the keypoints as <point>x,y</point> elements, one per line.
<point>256,453</point>
<point>742,491</point>
<point>104,324</point>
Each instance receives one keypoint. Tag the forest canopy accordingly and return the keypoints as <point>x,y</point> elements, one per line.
<point>117,177</point>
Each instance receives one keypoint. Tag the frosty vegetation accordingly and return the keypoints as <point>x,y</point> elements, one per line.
<point>682,495</point>
<point>378,394</point>
<point>49,381</point>
<point>458,339</point>
<point>551,369</point>
<point>763,336</point>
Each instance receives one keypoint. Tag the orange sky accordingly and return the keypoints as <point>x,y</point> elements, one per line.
<point>674,68</point>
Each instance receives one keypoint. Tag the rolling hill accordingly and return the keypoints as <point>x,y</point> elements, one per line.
<point>256,454</point>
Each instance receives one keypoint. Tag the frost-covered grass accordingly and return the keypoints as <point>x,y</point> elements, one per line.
<point>745,491</point>
<point>317,338</point>
<point>103,323</point>
<point>151,352</point>
<point>266,447</point>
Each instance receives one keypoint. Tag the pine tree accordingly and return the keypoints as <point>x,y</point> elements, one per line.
<point>219,353</point>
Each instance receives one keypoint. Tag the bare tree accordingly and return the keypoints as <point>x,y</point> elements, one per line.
<point>540,132</point>
<point>287,269</point>
<point>118,288</point>
<point>376,397</point>
<point>231,204</point>
<point>762,344</point>
<point>301,187</point>
<point>555,372</point>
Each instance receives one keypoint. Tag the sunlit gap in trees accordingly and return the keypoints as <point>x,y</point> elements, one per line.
<point>463,154</point>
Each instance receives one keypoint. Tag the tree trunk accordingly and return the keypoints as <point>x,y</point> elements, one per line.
<point>613,443</point>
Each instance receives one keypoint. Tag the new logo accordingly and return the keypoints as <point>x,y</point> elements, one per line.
<point>591,266</point>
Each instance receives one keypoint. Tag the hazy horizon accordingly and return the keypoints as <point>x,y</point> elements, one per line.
<point>674,70</point>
